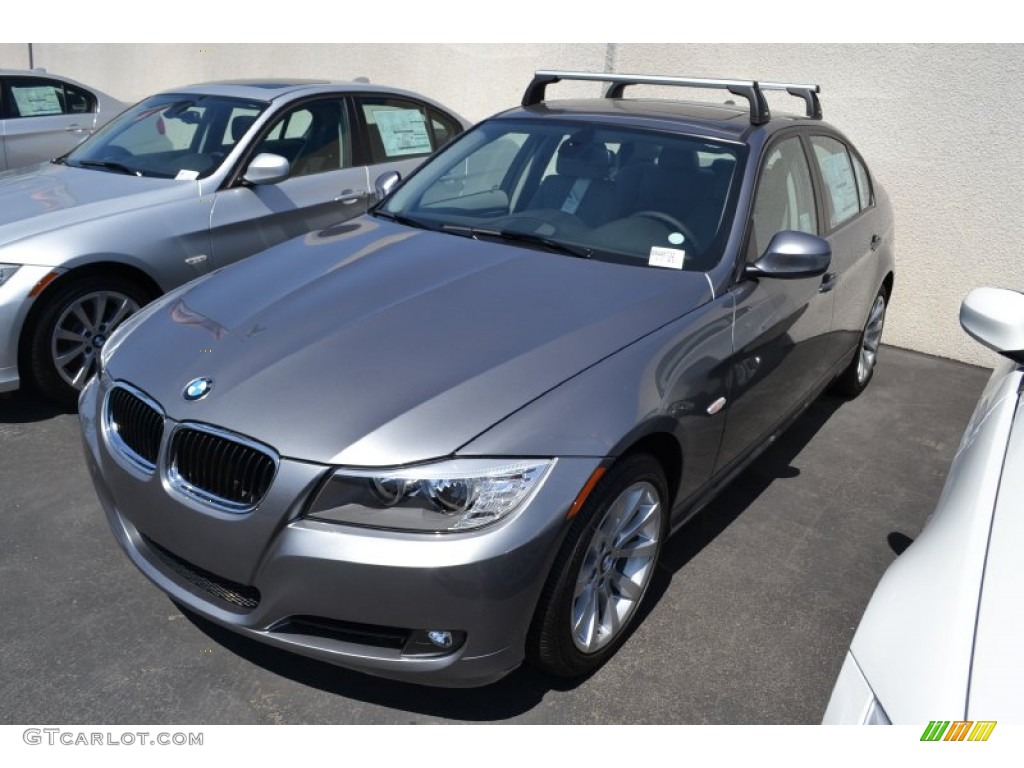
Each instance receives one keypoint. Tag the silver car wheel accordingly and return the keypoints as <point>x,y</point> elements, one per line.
<point>81,331</point>
<point>871,339</point>
<point>617,567</point>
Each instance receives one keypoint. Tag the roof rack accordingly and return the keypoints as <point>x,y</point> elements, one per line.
<point>751,90</point>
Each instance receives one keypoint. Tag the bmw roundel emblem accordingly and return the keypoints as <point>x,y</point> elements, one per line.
<point>197,389</point>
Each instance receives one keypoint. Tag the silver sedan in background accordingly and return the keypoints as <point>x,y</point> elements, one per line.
<point>182,183</point>
<point>43,115</point>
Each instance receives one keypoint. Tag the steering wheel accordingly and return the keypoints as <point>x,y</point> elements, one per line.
<point>675,224</point>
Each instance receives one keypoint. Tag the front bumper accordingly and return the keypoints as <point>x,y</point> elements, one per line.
<point>14,306</point>
<point>337,593</point>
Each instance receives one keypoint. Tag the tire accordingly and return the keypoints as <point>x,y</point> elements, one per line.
<point>66,336</point>
<point>591,599</point>
<point>857,375</point>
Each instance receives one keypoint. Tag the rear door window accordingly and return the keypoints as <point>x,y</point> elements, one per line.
<point>840,183</point>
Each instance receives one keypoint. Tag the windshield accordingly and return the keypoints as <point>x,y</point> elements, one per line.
<point>617,194</point>
<point>170,136</point>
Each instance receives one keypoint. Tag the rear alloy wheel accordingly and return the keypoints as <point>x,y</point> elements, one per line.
<point>855,378</point>
<point>74,325</point>
<point>603,571</point>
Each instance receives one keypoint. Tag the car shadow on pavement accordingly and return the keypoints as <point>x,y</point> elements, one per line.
<point>25,407</point>
<point>525,688</point>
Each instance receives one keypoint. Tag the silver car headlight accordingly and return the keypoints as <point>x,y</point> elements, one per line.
<point>7,272</point>
<point>455,495</point>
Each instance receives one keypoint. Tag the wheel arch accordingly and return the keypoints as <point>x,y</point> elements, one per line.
<point>658,440</point>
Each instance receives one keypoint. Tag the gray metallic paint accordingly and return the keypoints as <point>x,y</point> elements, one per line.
<point>382,345</point>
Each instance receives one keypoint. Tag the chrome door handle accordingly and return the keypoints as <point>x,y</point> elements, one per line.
<point>350,196</point>
<point>828,282</point>
<point>876,241</point>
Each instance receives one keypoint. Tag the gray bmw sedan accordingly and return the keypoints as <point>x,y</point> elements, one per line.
<point>454,434</point>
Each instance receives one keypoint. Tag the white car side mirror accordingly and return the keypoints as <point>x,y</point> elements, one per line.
<point>995,317</point>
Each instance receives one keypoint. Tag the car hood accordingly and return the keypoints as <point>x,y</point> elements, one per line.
<point>45,197</point>
<point>376,344</point>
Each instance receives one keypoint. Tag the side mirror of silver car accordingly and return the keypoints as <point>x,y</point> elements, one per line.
<point>792,255</point>
<point>267,168</point>
<point>995,317</point>
<point>386,183</point>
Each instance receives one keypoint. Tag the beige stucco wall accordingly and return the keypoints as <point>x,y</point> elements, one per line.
<point>937,125</point>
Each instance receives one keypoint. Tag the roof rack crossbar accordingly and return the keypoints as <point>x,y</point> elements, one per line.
<point>750,90</point>
<point>809,93</point>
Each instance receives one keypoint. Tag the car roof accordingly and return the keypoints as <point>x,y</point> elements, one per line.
<point>723,121</point>
<point>268,89</point>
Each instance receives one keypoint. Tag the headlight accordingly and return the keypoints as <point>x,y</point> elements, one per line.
<point>7,272</point>
<point>456,495</point>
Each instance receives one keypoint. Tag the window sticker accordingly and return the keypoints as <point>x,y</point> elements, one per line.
<point>670,258</point>
<point>186,175</point>
<point>843,189</point>
<point>403,131</point>
<point>36,101</point>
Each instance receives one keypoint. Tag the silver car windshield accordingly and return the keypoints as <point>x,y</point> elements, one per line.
<point>631,196</point>
<point>170,136</point>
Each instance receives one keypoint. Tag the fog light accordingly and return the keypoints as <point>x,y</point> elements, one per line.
<point>440,638</point>
<point>433,642</point>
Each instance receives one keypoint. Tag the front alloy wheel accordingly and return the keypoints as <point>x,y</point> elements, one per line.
<point>72,325</point>
<point>603,571</point>
<point>81,331</point>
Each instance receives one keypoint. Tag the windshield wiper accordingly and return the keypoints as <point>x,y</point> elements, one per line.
<point>110,165</point>
<point>401,218</point>
<point>533,238</point>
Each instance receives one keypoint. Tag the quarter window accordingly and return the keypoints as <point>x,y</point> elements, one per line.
<point>840,183</point>
<point>867,198</point>
<point>785,197</point>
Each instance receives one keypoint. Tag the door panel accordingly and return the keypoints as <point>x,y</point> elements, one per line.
<point>41,121</point>
<point>324,187</point>
<point>782,327</point>
<point>246,220</point>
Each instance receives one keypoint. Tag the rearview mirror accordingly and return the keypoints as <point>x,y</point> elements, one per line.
<point>386,183</point>
<point>995,317</point>
<point>267,168</point>
<point>792,255</point>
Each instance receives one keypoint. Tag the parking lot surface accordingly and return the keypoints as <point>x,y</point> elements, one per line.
<point>752,610</point>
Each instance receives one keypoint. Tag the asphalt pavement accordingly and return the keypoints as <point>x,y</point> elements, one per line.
<point>753,607</point>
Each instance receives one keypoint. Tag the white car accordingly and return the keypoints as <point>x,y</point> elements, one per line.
<point>942,638</point>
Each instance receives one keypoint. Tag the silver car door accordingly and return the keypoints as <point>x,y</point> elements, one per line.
<point>45,119</point>
<point>324,185</point>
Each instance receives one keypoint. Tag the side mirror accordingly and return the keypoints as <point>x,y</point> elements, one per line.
<point>995,317</point>
<point>267,168</point>
<point>386,183</point>
<point>791,255</point>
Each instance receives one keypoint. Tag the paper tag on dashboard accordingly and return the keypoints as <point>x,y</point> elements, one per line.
<point>186,175</point>
<point>671,258</point>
